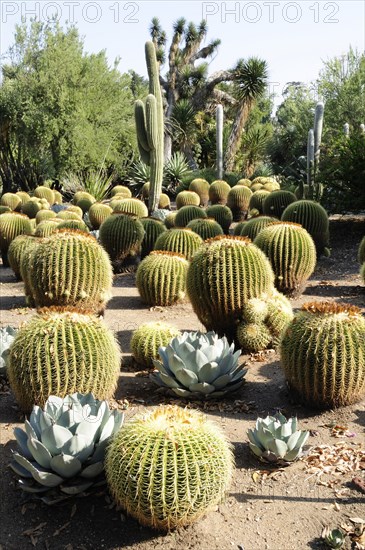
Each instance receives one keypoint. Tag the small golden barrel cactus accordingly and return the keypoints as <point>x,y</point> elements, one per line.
<point>68,215</point>
<point>34,205</point>
<point>206,228</point>
<point>238,201</point>
<point>257,200</point>
<point>170,220</point>
<point>43,215</point>
<point>147,338</point>
<point>277,201</point>
<point>187,213</point>
<point>12,200</point>
<point>43,192</point>
<point>121,235</point>
<point>181,240</point>
<point>201,187</point>
<point>15,251</point>
<point>313,217</point>
<point>62,351</point>
<point>47,227</point>
<point>218,192</point>
<point>185,198</point>
<point>121,190</point>
<point>252,227</point>
<point>98,213</point>
<point>131,206</point>
<point>153,228</point>
<point>12,224</point>
<point>323,354</point>
<point>168,467</point>
<point>78,225</point>
<point>222,214</point>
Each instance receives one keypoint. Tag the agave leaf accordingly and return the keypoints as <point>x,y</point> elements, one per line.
<point>302,438</point>
<point>184,351</point>
<point>292,455</point>
<point>160,367</point>
<point>252,436</point>
<point>164,380</point>
<point>209,372</point>
<point>118,420</point>
<point>88,428</point>
<point>255,449</point>
<point>284,431</point>
<point>34,420</point>
<point>186,377</point>
<point>233,387</point>
<point>181,392</point>
<point>108,429</point>
<point>226,364</point>
<point>278,447</point>
<point>20,470</point>
<point>24,462</point>
<point>44,478</point>
<point>222,381</point>
<point>53,406</point>
<point>214,351</point>
<point>103,413</point>
<point>93,470</point>
<point>202,387</point>
<point>79,447</point>
<point>78,487</point>
<point>238,374</point>
<point>294,422</point>
<point>174,361</point>
<point>55,437</point>
<point>293,440</point>
<point>69,419</point>
<point>40,453</point>
<point>66,465</point>
<point>32,487</point>
<point>264,435</point>
<point>99,453</point>
<point>44,421</point>
<point>281,418</point>
<point>29,429</point>
<point>163,355</point>
<point>22,440</point>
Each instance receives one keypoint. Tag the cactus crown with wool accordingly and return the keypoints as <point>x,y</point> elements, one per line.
<point>238,201</point>
<point>170,220</point>
<point>121,235</point>
<point>180,240</point>
<point>222,215</point>
<point>218,192</point>
<point>168,467</point>
<point>147,338</point>
<point>71,268</point>
<point>276,202</point>
<point>187,213</point>
<point>12,224</point>
<point>206,228</point>
<point>61,351</point>
<point>323,354</point>
<point>161,278</point>
<point>313,217</point>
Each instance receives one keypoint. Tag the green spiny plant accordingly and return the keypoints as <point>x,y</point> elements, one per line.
<point>170,220</point>
<point>222,215</point>
<point>70,268</point>
<point>68,215</point>
<point>161,278</point>
<point>98,213</point>
<point>188,213</point>
<point>15,251</point>
<point>79,225</point>
<point>180,240</point>
<point>44,215</point>
<point>252,227</point>
<point>238,201</point>
<point>46,228</point>
<point>164,202</point>
<point>25,267</point>
<point>12,224</point>
<point>11,200</point>
<point>206,228</point>
<point>218,192</point>
<point>191,461</point>
<point>276,202</point>
<point>5,209</point>
<point>23,195</point>
<point>34,205</point>
<point>257,200</point>
<point>147,339</point>
<point>42,192</point>
<point>323,354</point>
<point>187,198</point>
<point>131,206</point>
<point>153,229</point>
<point>85,204</point>
<point>79,195</point>
<point>121,190</point>
<point>244,181</point>
<point>219,116</point>
<point>75,209</point>
<point>314,218</point>
<point>121,235</point>
<point>61,351</point>
<point>201,187</point>
<point>292,254</point>
<point>57,197</point>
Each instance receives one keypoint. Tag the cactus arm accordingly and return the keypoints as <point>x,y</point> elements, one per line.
<point>310,160</point>
<point>219,138</point>
<point>140,118</point>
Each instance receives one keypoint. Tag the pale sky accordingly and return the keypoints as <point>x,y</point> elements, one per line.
<point>294,37</point>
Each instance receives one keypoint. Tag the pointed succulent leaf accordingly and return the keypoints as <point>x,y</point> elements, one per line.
<point>44,478</point>
<point>279,448</point>
<point>79,447</point>
<point>233,387</point>
<point>79,486</point>
<point>55,437</point>
<point>294,422</point>
<point>93,470</point>
<point>181,392</point>
<point>184,351</point>
<point>99,453</point>
<point>34,420</point>
<point>174,361</point>
<point>222,381</point>
<point>292,455</point>
<point>255,449</point>
<point>302,438</point>
<point>264,435</point>
<point>66,465</point>
<point>32,487</point>
<point>22,440</point>
<point>20,470</point>
<point>164,380</point>
<point>24,462</point>
<point>69,419</point>
<point>202,387</point>
<point>160,367</point>
<point>293,440</point>
<point>252,436</point>
<point>162,353</point>
<point>53,406</point>
<point>186,377</point>
<point>280,418</point>
<point>284,431</point>
<point>39,452</point>
<point>226,364</point>
<point>108,429</point>
<point>88,428</point>
<point>45,420</point>
<point>209,372</point>
<point>29,429</point>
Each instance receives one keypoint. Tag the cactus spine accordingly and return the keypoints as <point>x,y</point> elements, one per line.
<point>219,138</point>
<point>153,229</point>
<point>150,127</point>
<point>222,215</point>
<point>206,228</point>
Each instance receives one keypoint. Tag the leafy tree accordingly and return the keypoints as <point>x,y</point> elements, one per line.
<point>61,110</point>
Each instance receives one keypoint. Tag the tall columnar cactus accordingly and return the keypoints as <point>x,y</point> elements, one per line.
<point>257,200</point>
<point>15,251</point>
<point>187,198</point>
<point>43,192</point>
<point>276,202</point>
<point>219,141</point>
<point>180,240</point>
<point>238,200</point>
<point>168,467</point>
<point>188,213</point>
<point>152,230</point>
<point>12,224</point>
<point>206,228</point>
<point>70,268</point>
<point>146,340</point>
<point>314,218</point>
<point>252,227</point>
<point>218,192</point>
<point>131,206</point>
<point>12,200</point>
<point>223,275</point>
<point>323,354</point>
<point>98,213</point>
<point>61,351</point>
<point>201,187</point>
<point>222,214</point>
<point>315,189</point>
<point>161,278</point>
<point>292,254</point>
<point>361,251</point>
<point>121,235</point>
<point>150,127</point>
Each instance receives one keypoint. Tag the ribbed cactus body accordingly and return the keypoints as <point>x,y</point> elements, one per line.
<point>252,227</point>
<point>257,187</point>
<point>313,217</point>
<point>257,200</point>
<point>79,225</point>
<point>222,214</point>
<point>98,213</point>
<point>25,267</point>
<point>168,467</point>
<point>23,195</point>
<point>218,192</point>
<point>11,200</point>
<point>323,354</point>
<point>82,195</point>
<point>131,206</point>
<point>34,205</point>
<point>253,337</point>
<point>292,254</point>
<point>12,224</point>
<point>42,192</point>
<point>46,228</point>
<point>361,251</point>
<point>186,198</point>
<point>146,340</point>
<point>188,213</point>
<point>180,240</point>
<point>161,278</point>
<point>44,215</point>
<point>75,209</point>
<point>276,202</point>
<point>4,209</point>
<point>57,197</point>
<point>244,181</point>
<point>121,235</point>
<point>152,230</point>
<point>61,351</point>
<point>70,268</point>
<point>238,201</point>
<point>68,215</point>
<point>15,251</point>
<point>206,228</point>
<point>222,277</point>
<point>122,190</point>
<point>85,203</point>
<point>170,220</point>
<point>201,187</point>
<point>164,201</point>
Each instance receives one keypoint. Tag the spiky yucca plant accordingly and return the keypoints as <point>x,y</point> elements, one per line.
<point>206,228</point>
<point>191,461</point>
<point>147,339</point>
<point>180,240</point>
<point>218,192</point>
<point>323,354</point>
<point>185,198</point>
<point>187,213</point>
<point>61,351</point>
<point>121,235</point>
<point>222,215</point>
<point>161,278</point>
<point>12,225</point>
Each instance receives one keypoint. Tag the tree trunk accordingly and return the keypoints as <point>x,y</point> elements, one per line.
<point>235,135</point>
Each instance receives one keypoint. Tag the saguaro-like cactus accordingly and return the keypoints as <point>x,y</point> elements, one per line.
<point>150,127</point>
<point>314,189</point>
<point>219,139</point>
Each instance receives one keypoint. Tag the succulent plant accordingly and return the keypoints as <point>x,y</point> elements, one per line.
<point>292,254</point>
<point>43,192</point>
<point>361,251</point>
<point>15,251</point>
<point>61,351</point>
<point>131,206</point>
<point>206,228</point>
<point>238,201</point>
<point>276,439</point>
<point>121,190</point>
<point>25,267</point>
<point>23,195</point>
<point>98,213</point>
<point>164,202</point>
<point>314,218</point>
<point>244,181</point>
<point>7,335</point>
<point>218,192</point>
<point>362,273</point>
<point>79,195</point>
<point>161,278</point>
<point>222,215</point>
<point>198,366</point>
<point>188,213</point>
<point>180,240</point>
<point>170,220</point>
<point>43,215</point>
<point>11,200</point>
<point>223,275</point>
<point>277,201</point>
<point>333,538</point>
<point>152,230</point>
<point>4,209</point>
<point>121,235</point>
<point>168,467</point>
<point>85,204</point>
<point>46,228</point>
<point>12,224</point>
<point>186,198</point>
<point>70,268</point>
<point>63,445</point>
<point>34,205</point>
<point>201,187</point>
<point>257,200</point>
<point>252,227</point>
<point>161,214</point>
<point>68,215</point>
<point>75,209</point>
<point>147,338</point>
<point>331,370</point>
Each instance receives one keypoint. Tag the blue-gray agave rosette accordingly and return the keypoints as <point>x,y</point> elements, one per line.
<point>7,335</point>
<point>199,365</point>
<point>276,439</point>
<point>63,445</point>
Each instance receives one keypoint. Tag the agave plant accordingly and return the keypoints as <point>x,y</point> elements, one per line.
<point>63,445</point>
<point>333,538</point>
<point>7,335</point>
<point>276,439</point>
<point>198,365</point>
